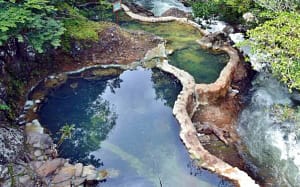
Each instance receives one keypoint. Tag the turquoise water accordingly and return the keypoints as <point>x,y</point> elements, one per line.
<point>203,65</point>
<point>125,124</point>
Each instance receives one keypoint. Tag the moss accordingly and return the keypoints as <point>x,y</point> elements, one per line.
<point>78,27</point>
<point>83,29</point>
<point>16,88</point>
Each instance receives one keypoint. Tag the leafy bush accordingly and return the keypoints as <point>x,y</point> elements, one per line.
<point>279,40</point>
<point>30,21</point>
<point>227,10</point>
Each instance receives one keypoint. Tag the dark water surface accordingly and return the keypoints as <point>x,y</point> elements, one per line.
<point>125,124</point>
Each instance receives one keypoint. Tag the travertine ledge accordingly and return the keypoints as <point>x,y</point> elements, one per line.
<point>193,94</point>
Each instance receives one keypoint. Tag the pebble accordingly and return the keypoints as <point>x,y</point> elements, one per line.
<point>28,105</point>
<point>37,153</point>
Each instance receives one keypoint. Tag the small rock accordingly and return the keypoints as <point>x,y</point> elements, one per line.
<point>34,127</point>
<point>249,17</point>
<point>35,164</point>
<point>170,51</point>
<point>37,153</point>
<point>41,158</point>
<point>74,85</point>
<point>35,109</point>
<point>28,104</point>
<point>50,166</point>
<point>22,116</point>
<point>37,140</point>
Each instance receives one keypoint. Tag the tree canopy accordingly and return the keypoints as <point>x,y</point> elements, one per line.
<point>30,21</point>
<point>42,23</point>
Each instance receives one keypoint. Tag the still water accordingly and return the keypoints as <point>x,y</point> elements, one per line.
<point>205,66</point>
<point>124,123</point>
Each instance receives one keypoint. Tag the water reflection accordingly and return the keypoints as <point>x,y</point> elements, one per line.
<point>79,102</point>
<point>166,87</point>
<point>125,124</point>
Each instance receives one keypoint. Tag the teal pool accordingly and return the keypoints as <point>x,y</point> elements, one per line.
<point>124,123</point>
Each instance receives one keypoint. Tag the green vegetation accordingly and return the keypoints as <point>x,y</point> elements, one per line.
<point>275,35</point>
<point>30,21</point>
<point>227,10</point>
<point>4,107</point>
<point>11,174</point>
<point>279,40</point>
<point>66,132</point>
<point>43,23</point>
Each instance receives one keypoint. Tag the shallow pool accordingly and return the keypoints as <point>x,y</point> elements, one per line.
<point>205,66</point>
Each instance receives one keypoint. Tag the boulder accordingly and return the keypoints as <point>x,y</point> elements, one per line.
<point>137,9</point>
<point>37,140</point>
<point>50,166</point>
<point>214,41</point>
<point>11,144</point>
<point>175,12</point>
<point>64,174</point>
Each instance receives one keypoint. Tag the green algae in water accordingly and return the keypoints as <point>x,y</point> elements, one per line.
<point>205,66</point>
<point>178,35</point>
<point>126,123</point>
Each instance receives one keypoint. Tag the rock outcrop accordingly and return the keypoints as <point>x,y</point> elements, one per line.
<point>11,144</point>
